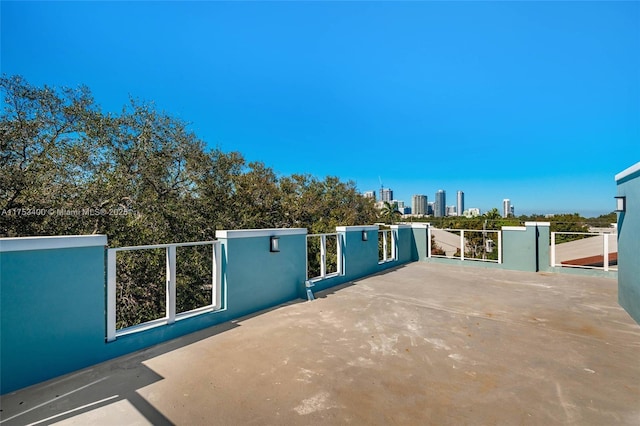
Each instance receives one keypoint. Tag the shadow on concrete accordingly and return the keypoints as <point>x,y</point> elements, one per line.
<point>110,388</point>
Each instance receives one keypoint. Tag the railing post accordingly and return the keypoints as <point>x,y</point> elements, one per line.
<point>429,242</point>
<point>553,249</point>
<point>605,248</point>
<point>339,254</point>
<point>384,246</point>
<point>111,295</point>
<point>216,278</point>
<point>323,255</point>
<point>306,256</point>
<point>462,244</point>
<point>499,232</point>
<point>394,244</point>
<point>171,284</point>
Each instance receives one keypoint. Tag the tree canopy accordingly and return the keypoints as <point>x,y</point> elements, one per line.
<point>142,177</point>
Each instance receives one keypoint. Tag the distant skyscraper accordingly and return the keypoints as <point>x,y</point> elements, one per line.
<point>460,204</point>
<point>386,194</point>
<point>399,204</point>
<point>419,204</point>
<point>430,208</point>
<point>451,211</point>
<point>440,206</point>
<point>506,207</point>
<point>370,194</point>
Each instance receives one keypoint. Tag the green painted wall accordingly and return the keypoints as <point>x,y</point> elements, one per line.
<point>629,245</point>
<point>419,242</point>
<point>519,249</point>
<point>544,250</point>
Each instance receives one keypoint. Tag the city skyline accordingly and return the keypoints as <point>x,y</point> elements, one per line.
<point>538,102</point>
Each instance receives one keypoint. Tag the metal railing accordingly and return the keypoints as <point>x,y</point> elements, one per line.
<point>387,245</point>
<point>324,256</point>
<point>586,250</point>
<point>465,244</point>
<point>210,288</point>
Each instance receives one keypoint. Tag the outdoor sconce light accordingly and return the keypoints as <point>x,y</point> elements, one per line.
<point>621,204</point>
<point>274,245</point>
<point>365,237</point>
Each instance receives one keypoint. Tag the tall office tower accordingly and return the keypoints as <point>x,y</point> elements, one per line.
<point>370,194</point>
<point>419,204</point>
<point>386,194</point>
<point>460,204</point>
<point>440,206</point>
<point>430,208</point>
<point>513,211</point>
<point>506,207</point>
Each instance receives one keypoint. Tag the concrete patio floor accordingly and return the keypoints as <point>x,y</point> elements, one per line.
<point>421,344</point>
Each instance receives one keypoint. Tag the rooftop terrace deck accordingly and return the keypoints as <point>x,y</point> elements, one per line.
<point>421,344</point>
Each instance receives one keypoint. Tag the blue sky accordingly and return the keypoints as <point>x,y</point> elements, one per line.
<point>538,102</point>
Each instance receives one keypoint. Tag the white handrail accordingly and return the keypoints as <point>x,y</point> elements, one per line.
<point>171,315</point>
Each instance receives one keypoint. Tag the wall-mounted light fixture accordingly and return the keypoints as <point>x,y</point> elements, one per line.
<point>621,204</point>
<point>365,237</point>
<point>274,244</point>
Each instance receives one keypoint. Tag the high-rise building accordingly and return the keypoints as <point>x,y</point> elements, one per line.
<point>451,211</point>
<point>399,204</point>
<point>506,207</point>
<point>370,194</point>
<point>386,194</point>
<point>430,208</point>
<point>460,204</point>
<point>419,204</point>
<point>440,206</point>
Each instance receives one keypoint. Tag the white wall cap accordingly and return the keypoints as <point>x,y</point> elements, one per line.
<point>400,226</point>
<point>537,224</point>
<point>623,174</point>
<point>51,242</point>
<point>252,233</point>
<point>357,228</point>
<point>514,228</point>
<point>420,225</point>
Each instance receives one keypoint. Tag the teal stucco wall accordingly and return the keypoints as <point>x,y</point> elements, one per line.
<point>519,250</point>
<point>255,277</point>
<point>53,294</point>
<point>52,309</point>
<point>52,300</point>
<point>419,241</point>
<point>628,185</point>
<point>361,257</point>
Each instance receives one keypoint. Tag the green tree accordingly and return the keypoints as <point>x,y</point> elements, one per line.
<point>389,212</point>
<point>59,152</point>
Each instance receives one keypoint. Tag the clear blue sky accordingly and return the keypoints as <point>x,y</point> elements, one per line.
<point>538,102</point>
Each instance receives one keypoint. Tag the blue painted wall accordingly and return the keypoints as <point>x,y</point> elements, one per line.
<point>53,301</point>
<point>53,304</point>
<point>256,278</point>
<point>405,242</point>
<point>52,313</point>
<point>361,257</point>
<point>629,244</point>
